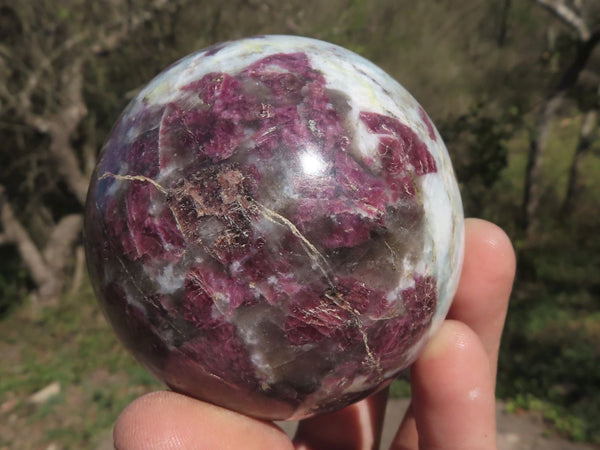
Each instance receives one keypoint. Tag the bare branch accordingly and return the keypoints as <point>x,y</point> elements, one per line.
<point>61,241</point>
<point>61,127</point>
<point>68,109</point>
<point>79,271</point>
<point>103,41</point>
<point>548,110</point>
<point>568,16</point>
<point>42,88</point>
<point>40,272</point>
<point>108,41</point>
<point>587,135</point>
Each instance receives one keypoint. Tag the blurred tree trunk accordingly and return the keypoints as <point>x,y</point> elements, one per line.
<point>537,146</point>
<point>46,266</point>
<point>60,127</point>
<point>503,28</point>
<point>587,39</point>
<point>42,71</point>
<point>586,138</point>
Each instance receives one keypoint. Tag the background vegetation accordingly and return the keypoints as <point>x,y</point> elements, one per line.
<point>513,87</point>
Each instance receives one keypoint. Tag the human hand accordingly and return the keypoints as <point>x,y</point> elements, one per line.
<point>453,383</point>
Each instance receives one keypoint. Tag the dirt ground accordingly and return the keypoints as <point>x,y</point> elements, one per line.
<point>515,431</point>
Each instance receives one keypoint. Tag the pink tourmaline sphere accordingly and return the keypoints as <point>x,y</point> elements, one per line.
<point>274,226</point>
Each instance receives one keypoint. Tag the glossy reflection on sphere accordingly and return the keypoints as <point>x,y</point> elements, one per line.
<point>274,226</point>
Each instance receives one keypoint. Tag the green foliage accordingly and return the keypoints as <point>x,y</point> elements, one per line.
<point>550,356</point>
<point>14,281</point>
<point>446,53</point>
<point>567,422</point>
<point>73,345</point>
<point>400,388</point>
<point>479,141</point>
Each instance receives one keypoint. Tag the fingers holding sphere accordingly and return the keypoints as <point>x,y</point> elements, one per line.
<point>167,421</point>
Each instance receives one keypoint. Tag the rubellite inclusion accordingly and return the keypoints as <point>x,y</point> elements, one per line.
<point>274,226</point>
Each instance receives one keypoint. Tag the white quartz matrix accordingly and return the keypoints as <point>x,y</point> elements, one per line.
<point>275,226</point>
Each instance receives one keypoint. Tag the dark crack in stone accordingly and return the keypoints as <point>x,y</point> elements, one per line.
<point>261,229</point>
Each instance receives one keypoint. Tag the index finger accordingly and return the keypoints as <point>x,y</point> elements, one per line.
<point>481,301</point>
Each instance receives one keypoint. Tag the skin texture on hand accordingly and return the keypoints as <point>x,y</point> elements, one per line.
<point>453,382</point>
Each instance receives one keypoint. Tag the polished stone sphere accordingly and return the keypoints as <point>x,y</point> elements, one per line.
<point>274,226</point>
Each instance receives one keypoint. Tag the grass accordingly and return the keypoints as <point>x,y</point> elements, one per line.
<point>550,357</point>
<point>563,421</point>
<point>548,363</point>
<point>72,345</point>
